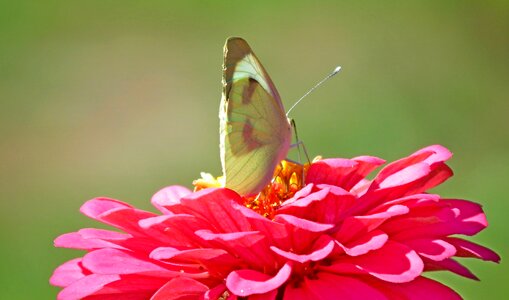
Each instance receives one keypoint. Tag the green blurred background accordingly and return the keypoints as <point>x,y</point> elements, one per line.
<point>120,98</point>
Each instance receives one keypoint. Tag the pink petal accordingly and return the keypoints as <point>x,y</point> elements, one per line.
<point>182,229</point>
<point>412,201</point>
<point>130,287</point>
<point>469,249</point>
<point>157,228</point>
<point>344,173</point>
<point>89,238</point>
<point>393,263</point>
<point>361,188</point>
<point>247,238</point>
<point>330,171</point>
<point>304,192</point>
<point>302,223</point>
<point>95,207</point>
<point>215,292</point>
<point>368,242</point>
<point>251,246</point>
<point>113,261</point>
<point>438,154</point>
<point>327,204</point>
<point>322,248</point>
<point>366,164</point>
<point>421,288</point>
<point>434,249</point>
<point>446,218</point>
<point>429,155</point>
<point>191,255</point>
<point>149,223</point>
<point>440,172</point>
<point>180,288</point>
<point>470,218</point>
<point>115,296</point>
<point>133,284</point>
<point>301,232</point>
<point>93,233</point>
<point>417,173</point>
<point>356,226</point>
<point>414,179</point>
<point>86,286</point>
<point>216,207</point>
<point>217,262</point>
<point>116,213</point>
<point>75,240</point>
<point>248,282</point>
<point>330,287</point>
<point>169,196</point>
<point>67,273</point>
<point>450,264</point>
<point>305,201</point>
<point>267,296</point>
<point>126,219</point>
<point>404,176</point>
<point>275,233</point>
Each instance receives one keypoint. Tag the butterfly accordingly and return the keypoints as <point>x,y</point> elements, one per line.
<point>255,133</point>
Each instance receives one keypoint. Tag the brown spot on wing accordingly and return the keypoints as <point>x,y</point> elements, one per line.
<point>249,89</point>
<point>249,138</point>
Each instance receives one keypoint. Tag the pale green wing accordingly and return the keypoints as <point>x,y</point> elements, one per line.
<point>255,134</point>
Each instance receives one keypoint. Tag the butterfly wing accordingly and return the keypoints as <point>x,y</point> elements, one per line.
<point>255,134</point>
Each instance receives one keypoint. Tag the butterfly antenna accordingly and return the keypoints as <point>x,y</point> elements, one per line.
<point>336,71</point>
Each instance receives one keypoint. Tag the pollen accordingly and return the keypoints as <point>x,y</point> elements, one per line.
<point>207,180</point>
<point>289,177</point>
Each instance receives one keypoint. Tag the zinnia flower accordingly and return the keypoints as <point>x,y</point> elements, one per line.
<point>338,236</point>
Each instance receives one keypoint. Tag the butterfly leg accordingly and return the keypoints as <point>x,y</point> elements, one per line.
<point>298,144</point>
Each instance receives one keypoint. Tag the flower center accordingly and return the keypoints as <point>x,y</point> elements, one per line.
<point>287,180</point>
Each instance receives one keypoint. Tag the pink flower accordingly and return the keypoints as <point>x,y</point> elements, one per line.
<point>340,236</point>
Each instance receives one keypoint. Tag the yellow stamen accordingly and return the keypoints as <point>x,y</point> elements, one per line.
<point>207,181</point>
<point>289,177</point>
